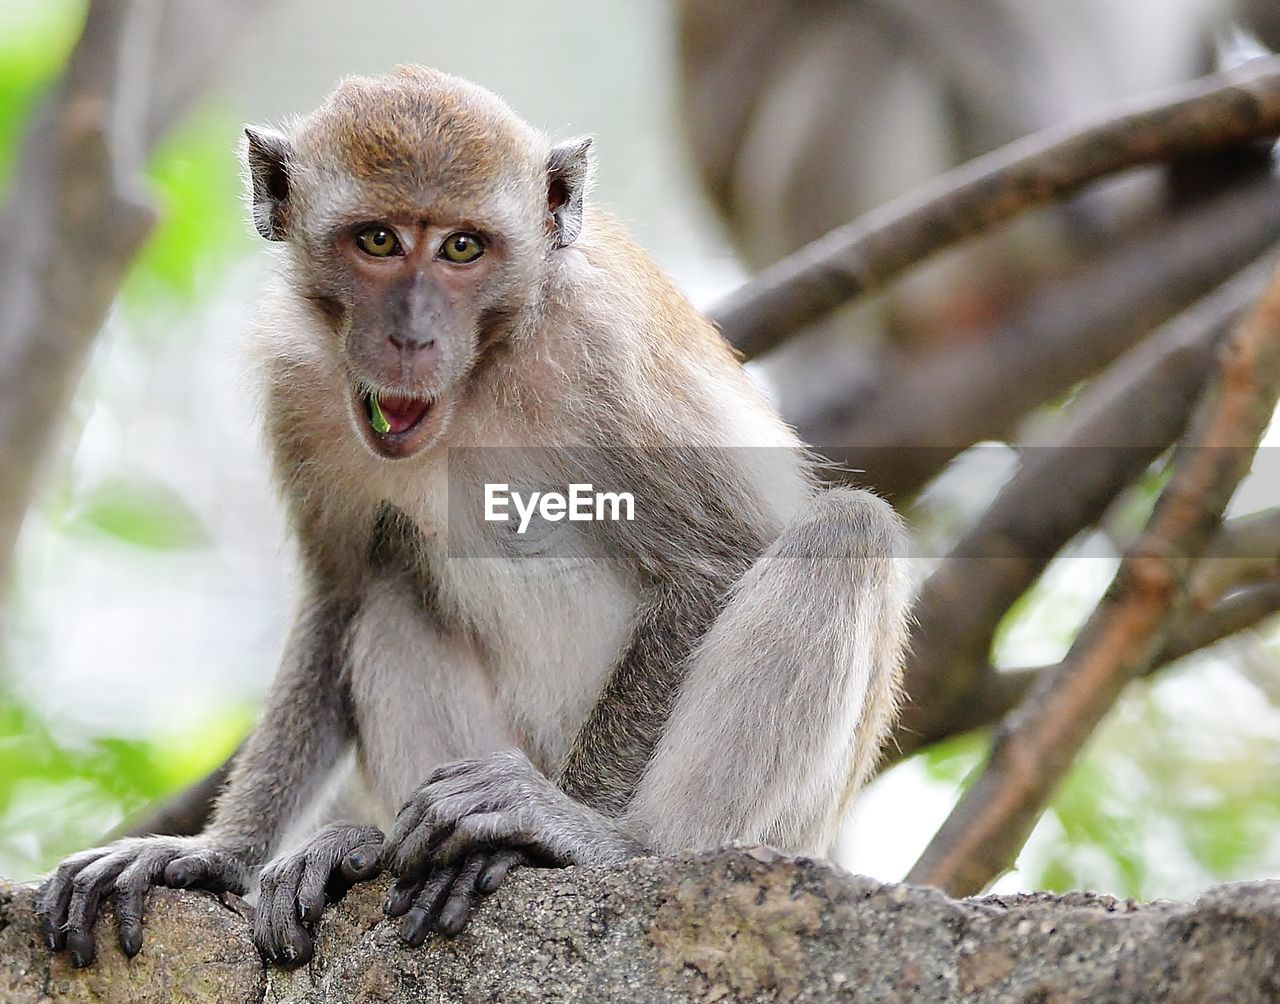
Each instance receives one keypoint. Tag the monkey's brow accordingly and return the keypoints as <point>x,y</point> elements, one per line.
<point>432,216</point>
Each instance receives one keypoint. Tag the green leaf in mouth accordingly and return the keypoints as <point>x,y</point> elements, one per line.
<point>376,418</point>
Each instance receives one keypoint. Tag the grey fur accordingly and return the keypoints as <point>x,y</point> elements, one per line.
<point>724,668</point>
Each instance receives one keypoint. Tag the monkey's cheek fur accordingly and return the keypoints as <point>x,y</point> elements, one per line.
<point>398,440</point>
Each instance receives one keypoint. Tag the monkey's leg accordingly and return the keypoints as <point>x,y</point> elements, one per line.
<point>780,717</point>
<point>303,730</point>
<point>791,692</point>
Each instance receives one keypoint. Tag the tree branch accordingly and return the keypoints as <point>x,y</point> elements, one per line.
<point>917,414</point>
<point>1123,421</point>
<point>1037,743</point>
<point>1003,690</point>
<point>1216,112</point>
<point>78,202</point>
<point>739,924</point>
<point>1247,549</point>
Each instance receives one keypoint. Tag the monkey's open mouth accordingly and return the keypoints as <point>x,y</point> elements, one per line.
<point>396,425</point>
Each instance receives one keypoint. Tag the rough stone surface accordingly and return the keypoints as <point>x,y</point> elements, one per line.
<point>743,924</point>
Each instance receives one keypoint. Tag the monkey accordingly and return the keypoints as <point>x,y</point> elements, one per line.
<point>448,309</point>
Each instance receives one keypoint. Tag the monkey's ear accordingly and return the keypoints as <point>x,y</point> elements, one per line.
<point>267,155</point>
<point>570,168</point>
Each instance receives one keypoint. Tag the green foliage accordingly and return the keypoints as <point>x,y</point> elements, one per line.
<point>139,512</point>
<point>955,760</point>
<point>193,175</point>
<point>58,795</point>
<point>35,39</point>
<point>195,178</point>
<point>1167,798</point>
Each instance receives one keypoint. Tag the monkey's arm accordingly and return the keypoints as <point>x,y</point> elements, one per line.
<point>304,728</point>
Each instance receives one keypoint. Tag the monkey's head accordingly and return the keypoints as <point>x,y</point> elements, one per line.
<point>421,216</point>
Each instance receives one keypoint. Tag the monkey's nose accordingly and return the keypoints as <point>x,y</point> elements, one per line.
<point>408,341</point>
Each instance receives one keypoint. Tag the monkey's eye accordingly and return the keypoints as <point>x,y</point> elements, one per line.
<point>378,241</point>
<point>462,248</point>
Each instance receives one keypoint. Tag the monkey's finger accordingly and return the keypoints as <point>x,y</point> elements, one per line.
<point>207,869</point>
<point>476,833</point>
<point>312,886</point>
<point>287,938</point>
<point>412,858</point>
<point>55,896</point>
<point>477,792</point>
<point>88,887</point>
<point>279,935</point>
<point>336,858</point>
<point>452,768</point>
<point>456,910</point>
<point>498,867</point>
<point>421,918</point>
<point>362,863</point>
<point>407,820</point>
<point>448,810</point>
<point>401,896</point>
<point>131,889</point>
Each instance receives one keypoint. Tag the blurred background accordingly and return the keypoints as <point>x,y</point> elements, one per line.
<point>151,583</point>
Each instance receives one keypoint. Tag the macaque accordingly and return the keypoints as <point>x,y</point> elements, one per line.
<point>450,311</point>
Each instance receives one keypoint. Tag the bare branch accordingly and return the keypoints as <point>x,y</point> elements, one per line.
<point>78,202</point>
<point>915,415</point>
<point>1126,419</point>
<point>1247,549</point>
<point>1002,691</point>
<point>1037,743</point>
<point>1210,114</point>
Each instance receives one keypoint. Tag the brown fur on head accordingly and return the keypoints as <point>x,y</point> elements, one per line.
<point>422,215</point>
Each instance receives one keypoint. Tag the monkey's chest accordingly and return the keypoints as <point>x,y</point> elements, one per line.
<point>512,652</point>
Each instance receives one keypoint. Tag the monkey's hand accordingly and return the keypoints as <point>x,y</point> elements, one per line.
<point>68,901</point>
<point>467,808</point>
<point>444,899</point>
<point>295,887</point>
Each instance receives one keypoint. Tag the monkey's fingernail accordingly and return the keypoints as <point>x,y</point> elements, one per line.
<point>452,922</point>
<point>131,941</point>
<point>81,948</point>
<point>357,861</point>
<point>415,927</point>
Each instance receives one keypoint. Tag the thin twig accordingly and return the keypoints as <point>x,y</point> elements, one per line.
<point>1247,549</point>
<point>1038,742</point>
<point>1216,112</point>
<point>1249,606</point>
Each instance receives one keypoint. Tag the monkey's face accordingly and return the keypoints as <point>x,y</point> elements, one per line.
<point>421,217</point>
<point>420,296</point>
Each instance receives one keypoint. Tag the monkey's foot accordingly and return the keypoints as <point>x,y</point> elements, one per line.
<point>68,901</point>
<point>502,800</point>
<point>443,901</point>
<point>295,887</point>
